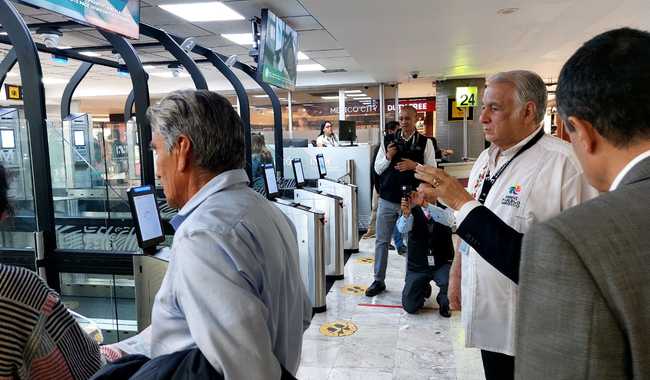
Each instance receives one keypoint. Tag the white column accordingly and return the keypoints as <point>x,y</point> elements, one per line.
<point>341,104</point>
<point>382,110</point>
<point>396,102</point>
<point>290,114</point>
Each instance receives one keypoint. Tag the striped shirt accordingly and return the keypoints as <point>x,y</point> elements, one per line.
<point>39,339</point>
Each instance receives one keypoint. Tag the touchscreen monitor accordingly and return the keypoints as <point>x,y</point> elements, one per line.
<point>145,214</point>
<point>298,172</point>
<point>7,139</point>
<point>79,138</point>
<point>322,170</point>
<point>270,181</point>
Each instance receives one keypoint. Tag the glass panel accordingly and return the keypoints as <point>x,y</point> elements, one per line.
<point>108,301</point>
<point>17,230</point>
<point>93,164</point>
<point>363,107</point>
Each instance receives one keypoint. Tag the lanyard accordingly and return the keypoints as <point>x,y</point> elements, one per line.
<point>489,182</point>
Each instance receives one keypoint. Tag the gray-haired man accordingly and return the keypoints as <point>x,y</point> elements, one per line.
<point>233,287</point>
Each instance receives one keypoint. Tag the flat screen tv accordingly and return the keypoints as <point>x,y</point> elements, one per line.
<point>278,52</point>
<point>118,16</point>
<point>347,131</point>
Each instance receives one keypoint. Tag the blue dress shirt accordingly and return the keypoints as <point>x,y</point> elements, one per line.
<point>233,287</point>
<point>439,215</point>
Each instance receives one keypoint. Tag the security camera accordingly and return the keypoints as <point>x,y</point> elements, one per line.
<point>231,60</point>
<point>188,45</point>
<point>50,36</point>
<point>414,74</point>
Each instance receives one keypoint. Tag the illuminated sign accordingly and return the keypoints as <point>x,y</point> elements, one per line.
<point>467,96</point>
<point>14,92</point>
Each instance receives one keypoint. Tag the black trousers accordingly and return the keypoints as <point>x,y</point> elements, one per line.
<point>417,286</point>
<point>498,366</point>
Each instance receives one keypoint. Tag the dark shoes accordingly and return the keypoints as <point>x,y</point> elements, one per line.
<point>391,247</point>
<point>444,305</point>
<point>402,250</point>
<point>376,288</point>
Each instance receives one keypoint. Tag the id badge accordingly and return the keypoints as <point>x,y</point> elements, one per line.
<point>432,261</point>
<point>464,248</point>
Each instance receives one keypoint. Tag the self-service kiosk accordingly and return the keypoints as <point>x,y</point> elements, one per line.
<point>332,206</point>
<point>349,194</point>
<point>310,230</point>
<point>14,154</point>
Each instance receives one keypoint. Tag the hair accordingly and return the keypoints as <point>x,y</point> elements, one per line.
<point>208,120</point>
<point>322,127</point>
<point>529,87</point>
<point>4,189</point>
<point>391,125</point>
<point>606,82</point>
<point>258,146</point>
<point>410,109</point>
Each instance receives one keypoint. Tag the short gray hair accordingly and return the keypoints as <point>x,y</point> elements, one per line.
<point>529,87</point>
<point>208,120</point>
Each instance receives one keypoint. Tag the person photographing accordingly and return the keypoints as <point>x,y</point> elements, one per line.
<point>430,249</point>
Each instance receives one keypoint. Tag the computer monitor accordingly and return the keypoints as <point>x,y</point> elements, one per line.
<point>298,172</point>
<point>144,210</point>
<point>348,131</point>
<point>7,139</point>
<point>270,181</point>
<point>299,143</point>
<point>322,170</point>
<point>79,138</point>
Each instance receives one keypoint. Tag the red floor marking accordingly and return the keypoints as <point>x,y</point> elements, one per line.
<point>380,305</point>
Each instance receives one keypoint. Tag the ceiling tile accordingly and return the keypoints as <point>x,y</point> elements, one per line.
<point>27,10</point>
<point>185,29</point>
<point>339,63</point>
<point>239,26</point>
<point>333,53</point>
<point>281,8</point>
<point>158,16</point>
<point>316,40</point>
<point>301,23</point>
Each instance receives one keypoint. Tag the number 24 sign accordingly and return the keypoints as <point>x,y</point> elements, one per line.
<point>466,96</point>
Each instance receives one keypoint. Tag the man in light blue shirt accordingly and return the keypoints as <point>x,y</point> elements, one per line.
<point>233,287</point>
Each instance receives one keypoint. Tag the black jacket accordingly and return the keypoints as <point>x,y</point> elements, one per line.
<point>428,237</point>
<point>392,180</point>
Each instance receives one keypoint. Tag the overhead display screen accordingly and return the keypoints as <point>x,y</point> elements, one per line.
<point>119,16</point>
<point>278,52</point>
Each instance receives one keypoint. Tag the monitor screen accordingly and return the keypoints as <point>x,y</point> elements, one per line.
<point>298,172</point>
<point>79,138</point>
<point>347,130</point>
<point>270,181</point>
<point>119,16</point>
<point>322,170</point>
<point>277,63</point>
<point>7,139</point>
<point>145,214</point>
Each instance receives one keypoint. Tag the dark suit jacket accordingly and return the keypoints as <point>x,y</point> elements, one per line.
<point>584,289</point>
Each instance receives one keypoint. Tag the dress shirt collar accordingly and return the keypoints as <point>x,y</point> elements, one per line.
<point>496,152</point>
<point>218,183</point>
<point>627,168</point>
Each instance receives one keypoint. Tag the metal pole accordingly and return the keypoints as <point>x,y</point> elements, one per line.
<point>382,110</point>
<point>396,102</point>
<point>341,104</point>
<point>66,98</point>
<point>290,113</point>
<point>465,135</point>
<point>7,64</point>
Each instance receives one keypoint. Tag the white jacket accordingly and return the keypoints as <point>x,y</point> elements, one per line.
<point>539,184</point>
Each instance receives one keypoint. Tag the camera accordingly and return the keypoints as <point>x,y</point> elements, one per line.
<point>406,191</point>
<point>400,143</point>
<point>414,74</point>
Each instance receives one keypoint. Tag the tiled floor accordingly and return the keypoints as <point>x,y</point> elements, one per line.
<point>389,343</point>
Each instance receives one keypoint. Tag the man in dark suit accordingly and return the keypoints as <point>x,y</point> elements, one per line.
<point>584,301</point>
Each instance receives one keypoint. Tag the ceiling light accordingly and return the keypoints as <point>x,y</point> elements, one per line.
<point>64,47</point>
<point>53,81</point>
<point>302,56</point>
<point>507,11</point>
<point>352,92</point>
<point>149,67</point>
<point>239,38</point>
<point>3,33</point>
<point>202,12</point>
<point>90,53</point>
<point>260,96</point>
<point>12,74</point>
<point>310,67</point>
<point>360,95</point>
<point>364,98</point>
<point>330,97</point>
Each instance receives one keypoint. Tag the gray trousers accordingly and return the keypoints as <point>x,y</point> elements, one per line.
<point>387,214</point>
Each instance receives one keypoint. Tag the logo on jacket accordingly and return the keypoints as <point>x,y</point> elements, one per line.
<point>512,196</point>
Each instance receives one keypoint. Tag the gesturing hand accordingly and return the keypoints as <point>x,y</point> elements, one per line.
<point>446,187</point>
<point>405,165</point>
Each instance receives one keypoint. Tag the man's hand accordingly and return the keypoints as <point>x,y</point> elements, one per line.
<point>391,151</point>
<point>406,165</point>
<point>406,207</point>
<point>445,187</point>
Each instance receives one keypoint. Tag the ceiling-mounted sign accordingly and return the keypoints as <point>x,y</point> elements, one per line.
<point>454,112</point>
<point>118,16</point>
<point>466,96</point>
<point>14,92</point>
